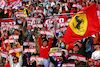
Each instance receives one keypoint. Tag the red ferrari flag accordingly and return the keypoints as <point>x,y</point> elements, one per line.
<point>83,24</point>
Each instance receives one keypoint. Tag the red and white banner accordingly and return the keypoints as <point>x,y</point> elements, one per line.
<point>47,33</point>
<point>14,27</point>
<point>13,3</point>
<point>26,50</point>
<point>38,25</point>
<point>14,37</point>
<point>63,24</point>
<point>74,5</point>
<point>20,7</point>
<point>64,4</point>
<point>60,19</point>
<point>38,11</point>
<point>55,54</point>
<point>2,3</point>
<point>78,57</point>
<point>73,56</point>
<point>3,54</point>
<point>20,14</point>
<point>15,50</point>
<point>77,5</point>
<point>31,43</point>
<point>32,20</point>
<point>61,29</point>
<point>7,23</point>
<point>33,58</point>
<point>68,65</point>
<point>9,41</point>
<point>97,62</point>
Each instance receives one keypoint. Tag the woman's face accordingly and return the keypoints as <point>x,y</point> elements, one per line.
<point>10,9</point>
<point>4,61</point>
<point>16,32</point>
<point>15,60</point>
<point>45,43</point>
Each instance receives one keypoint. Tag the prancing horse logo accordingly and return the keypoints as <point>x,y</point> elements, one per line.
<point>78,22</point>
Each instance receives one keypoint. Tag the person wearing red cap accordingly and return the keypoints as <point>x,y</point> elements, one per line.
<point>90,62</point>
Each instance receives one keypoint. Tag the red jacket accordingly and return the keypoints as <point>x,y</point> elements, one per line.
<point>44,51</point>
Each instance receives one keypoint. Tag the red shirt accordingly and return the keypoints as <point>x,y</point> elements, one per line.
<point>44,51</point>
<point>10,14</point>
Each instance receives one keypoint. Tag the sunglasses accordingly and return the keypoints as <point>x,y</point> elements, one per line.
<point>59,56</point>
<point>14,59</point>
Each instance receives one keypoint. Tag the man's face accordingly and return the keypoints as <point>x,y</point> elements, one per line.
<point>70,51</point>
<point>83,4</point>
<point>79,44</point>
<point>24,4</point>
<point>96,46</point>
<point>16,32</point>
<point>64,0</point>
<point>29,27</point>
<point>15,60</point>
<point>61,38</point>
<point>58,6</point>
<point>90,63</point>
<point>26,54</point>
<point>10,9</point>
<point>76,49</point>
<point>31,7</point>
<point>45,43</point>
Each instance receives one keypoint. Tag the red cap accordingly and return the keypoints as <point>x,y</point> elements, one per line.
<point>92,60</point>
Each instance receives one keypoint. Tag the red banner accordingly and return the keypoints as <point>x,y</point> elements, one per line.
<point>98,12</point>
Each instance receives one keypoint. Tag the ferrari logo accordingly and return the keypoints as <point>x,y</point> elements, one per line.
<point>79,24</point>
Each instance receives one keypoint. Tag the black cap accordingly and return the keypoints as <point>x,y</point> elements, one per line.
<point>79,42</point>
<point>96,44</point>
<point>23,2</point>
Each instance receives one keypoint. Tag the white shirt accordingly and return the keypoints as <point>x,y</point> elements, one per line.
<point>96,55</point>
<point>19,64</point>
<point>15,65</point>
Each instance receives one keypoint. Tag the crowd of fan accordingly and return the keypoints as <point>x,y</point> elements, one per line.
<point>88,47</point>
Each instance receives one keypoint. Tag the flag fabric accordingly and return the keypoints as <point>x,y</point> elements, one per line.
<point>98,12</point>
<point>83,24</point>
